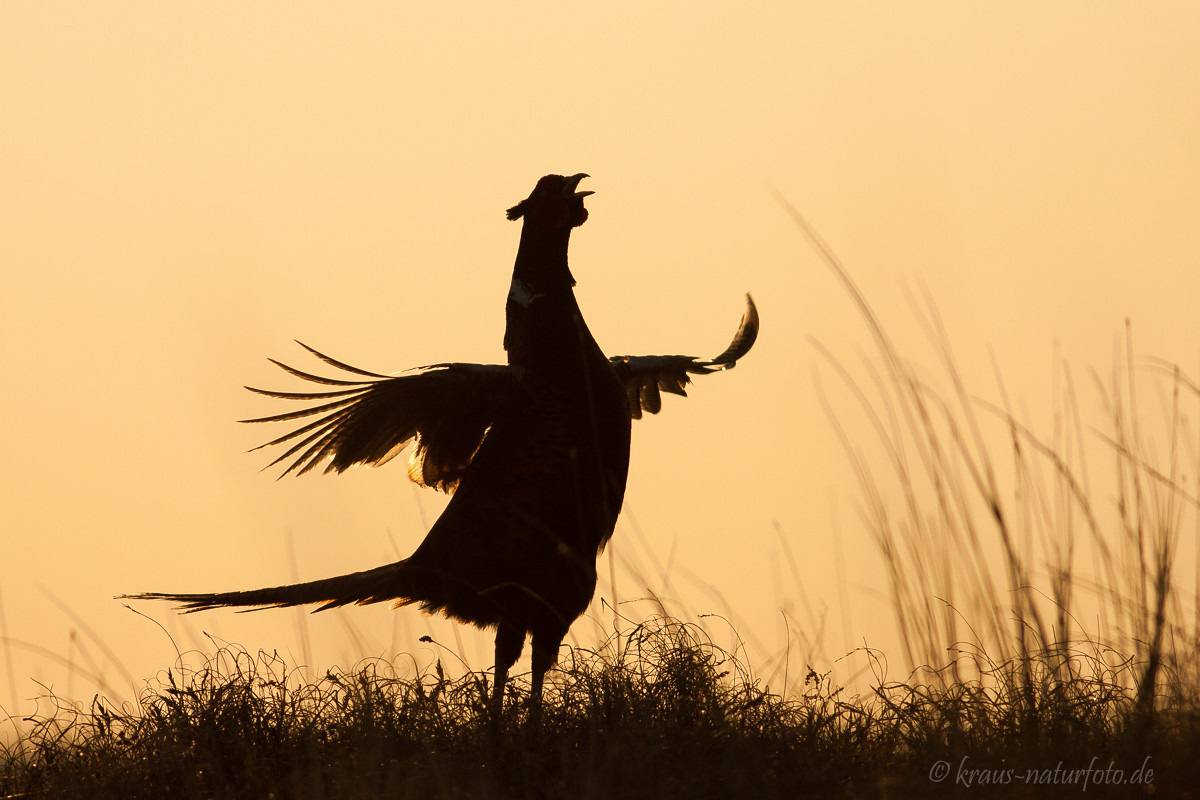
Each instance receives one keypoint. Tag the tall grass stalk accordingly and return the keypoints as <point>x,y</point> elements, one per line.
<point>983,549</point>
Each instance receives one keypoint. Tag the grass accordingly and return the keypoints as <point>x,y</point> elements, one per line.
<point>666,714</point>
<point>1049,627</point>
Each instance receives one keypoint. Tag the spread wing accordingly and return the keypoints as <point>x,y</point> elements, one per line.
<point>445,408</point>
<point>645,377</point>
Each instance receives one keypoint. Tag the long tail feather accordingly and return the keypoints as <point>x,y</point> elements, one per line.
<point>372,586</point>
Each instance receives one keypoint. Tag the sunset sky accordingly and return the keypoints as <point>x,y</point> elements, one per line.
<point>190,186</point>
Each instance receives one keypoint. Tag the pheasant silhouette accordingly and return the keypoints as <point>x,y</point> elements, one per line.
<point>535,454</point>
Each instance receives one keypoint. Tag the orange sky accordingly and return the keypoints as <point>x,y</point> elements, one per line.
<point>190,186</point>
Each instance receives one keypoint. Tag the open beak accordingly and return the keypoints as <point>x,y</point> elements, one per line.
<point>572,183</point>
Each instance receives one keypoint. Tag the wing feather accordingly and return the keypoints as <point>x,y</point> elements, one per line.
<point>446,409</point>
<point>646,377</point>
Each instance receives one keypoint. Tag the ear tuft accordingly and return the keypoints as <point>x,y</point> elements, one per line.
<point>517,211</point>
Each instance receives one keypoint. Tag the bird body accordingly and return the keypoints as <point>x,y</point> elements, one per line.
<point>535,454</point>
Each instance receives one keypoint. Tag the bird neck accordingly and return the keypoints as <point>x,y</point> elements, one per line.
<point>542,260</point>
<point>544,328</point>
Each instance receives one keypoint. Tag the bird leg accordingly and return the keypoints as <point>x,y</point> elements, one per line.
<point>545,653</point>
<point>510,639</point>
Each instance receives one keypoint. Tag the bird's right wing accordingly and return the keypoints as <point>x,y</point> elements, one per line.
<point>644,377</point>
<point>445,408</point>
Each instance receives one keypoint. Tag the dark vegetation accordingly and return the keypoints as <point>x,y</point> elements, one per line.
<point>1048,618</point>
<point>660,713</point>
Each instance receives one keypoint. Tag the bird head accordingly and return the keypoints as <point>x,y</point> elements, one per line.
<point>554,203</point>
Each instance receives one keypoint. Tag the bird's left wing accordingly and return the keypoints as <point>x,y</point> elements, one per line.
<point>445,408</point>
<point>645,377</point>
